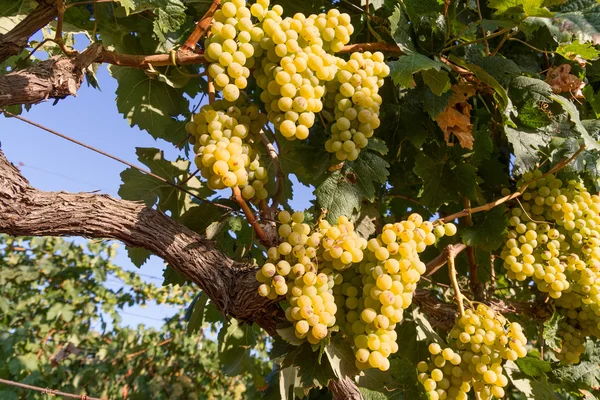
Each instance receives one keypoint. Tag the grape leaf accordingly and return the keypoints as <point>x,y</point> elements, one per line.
<point>341,358</point>
<point>338,196</point>
<point>532,116</point>
<point>488,231</point>
<point>571,109</point>
<point>150,104</point>
<point>531,8</point>
<point>369,169</point>
<point>580,19</point>
<point>526,144</point>
<point>369,394</point>
<point>138,255</point>
<point>425,331</point>
<point>551,329</point>
<point>196,313</point>
<point>128,5</point>
<point>571,51</point>
<point>401,30</point>
<point>403,69</point>
<point>170,16</point>
<point>593,99</point>
<point>435,104</point>
<point>438,81</point>
<point>587,372</point>
<point>442,181</point>
<point>235,341</point>
<point>533,367</point>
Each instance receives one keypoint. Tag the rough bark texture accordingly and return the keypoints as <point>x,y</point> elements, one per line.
<point>344,389</point>
<point>55,78</point>
<point>26,211</point>
<point>14,41</point>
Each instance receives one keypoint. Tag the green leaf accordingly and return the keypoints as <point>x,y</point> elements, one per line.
<point>27,362</point>
<point>128,5</point>
<point>338,195</point>
<point>443,181</point>
<point>401,30</point>
<point>532,116</point>
<point>341,358</point>
<point>364,222</point>
<point>438,81</point>
<point>488,231</point>
<point>581,19</point>
<point>150,104</point>
<point>435,104</point>
<point>369,169</point>
<point>593,99</point>
<point>196,319</point>
<point>572,51</point>
<point>235,342</point>
<point>138,255</point>
<point>152,191</point>
<point>369,394</point>
<point>425,331</point>
<point>377,145</point>
<point>571,109</point>
<point>543,390</point>
<point>530,88</point>
<point>531,8</point>
<point>551,330</point>
<point>287,334</point>
<point>587,372</point>
<point>403,69</point>
<point>526,144</point>
<point>533,367</point>
<point>170,16</point>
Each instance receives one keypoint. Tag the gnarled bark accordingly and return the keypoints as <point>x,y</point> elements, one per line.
<point>55,78</point>
<point>14,41</point>
<point>26,211</point>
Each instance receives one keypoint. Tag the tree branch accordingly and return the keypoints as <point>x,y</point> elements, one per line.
<point>232,286</point>
<point>201,27</point>
<point>55,78</point>
<point>14,41</point>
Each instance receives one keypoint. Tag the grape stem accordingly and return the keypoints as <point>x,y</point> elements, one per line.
<point>211,89</point>
<point>441,260</point>
<point>457,293</point>
<point>486,207</point>
<point>201,27</point>
<point>260,234</point>
<point>275,159</point>
<point>474,283</point>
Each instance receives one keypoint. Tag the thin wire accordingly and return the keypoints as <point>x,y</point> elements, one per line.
<point>112,157</point>
<point>48,391</point>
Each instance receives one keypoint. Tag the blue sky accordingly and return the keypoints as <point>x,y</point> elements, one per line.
<point>52,163</point>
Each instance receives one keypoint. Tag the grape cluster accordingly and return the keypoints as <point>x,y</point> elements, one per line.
<point>388,278</point>
<point>230,48</point>
<point>305,268</point>
<point>480,341</point>
<point>227,136</point>
<point>555,240</point>
<point>296,65</point>
<point>355,100</point>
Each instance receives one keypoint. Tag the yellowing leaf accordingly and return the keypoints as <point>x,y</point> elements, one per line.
<point>456,117</point>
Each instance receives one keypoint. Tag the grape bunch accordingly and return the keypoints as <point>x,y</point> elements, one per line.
<point>389,274</point>
<point>555,240</point>
<point>355,100</point>
<point>230,48</point>
<point>297,63</point>
<point>480,342</point>
<point>226,141</point>
<point>305,268</point>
